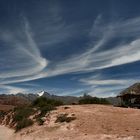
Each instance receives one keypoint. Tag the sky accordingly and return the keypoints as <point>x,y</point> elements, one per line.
<point>69,47</point>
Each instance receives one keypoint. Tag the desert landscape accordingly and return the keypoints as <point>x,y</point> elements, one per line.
<point>69,69</point>
<point>98,122</point>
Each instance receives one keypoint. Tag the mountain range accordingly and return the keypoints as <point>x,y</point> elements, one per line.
<point>21,98</point>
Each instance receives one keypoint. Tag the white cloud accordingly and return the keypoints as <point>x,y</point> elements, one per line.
<point>103,82</point>
<point>94,58</point>
<point>101,87</point>
<point>22,57</point>
<point>25,62</point>
<point>104,92</point>
<point>6,89</point>
<point>53,29</point>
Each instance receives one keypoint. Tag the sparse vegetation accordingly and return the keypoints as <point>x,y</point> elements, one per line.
<point>40,121</point>
<point>21,117</point>
<point>66,107</point>
<point>23,123</point>
<point>21,113</point>
<point>45,105</point>
<point>87,99</point>
<point>43,101</point>
<point>64,118</point>
<point>2,113</point>
<point>41,104</point>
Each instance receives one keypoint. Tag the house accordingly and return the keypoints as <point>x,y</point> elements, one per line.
<point>130,97</point>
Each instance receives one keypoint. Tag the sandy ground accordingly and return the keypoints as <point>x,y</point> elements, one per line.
<point>5,133</point>
<point>93,122</point>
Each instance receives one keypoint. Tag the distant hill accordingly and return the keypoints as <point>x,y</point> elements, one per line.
<point>29,97</point>
<point>64,99</point>
<point>20,98</point>
<point>13,100</point>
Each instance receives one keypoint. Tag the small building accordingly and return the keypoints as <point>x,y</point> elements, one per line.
<point>130,97</point>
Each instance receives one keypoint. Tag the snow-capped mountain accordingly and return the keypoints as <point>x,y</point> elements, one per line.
<point>41,93</point>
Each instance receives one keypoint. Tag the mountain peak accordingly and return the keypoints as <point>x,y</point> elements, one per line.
<point>41,93</point>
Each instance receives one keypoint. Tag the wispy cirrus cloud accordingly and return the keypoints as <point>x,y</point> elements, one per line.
<point>105,92</point>
<point>103,82</point>
<point>25,61</point>
<point>23,47</point>
<point>22,56</point>
<point>94,59</point>
<point>6,89</point>
<point>104,87</point>
<point>52,28</point>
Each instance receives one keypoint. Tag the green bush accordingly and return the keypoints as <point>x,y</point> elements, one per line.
<point>45,109</point>
<point>43,101</point>
<point>64,118</point>
<point>21,117</point>
<point>23,123</point>
<point>21,113</point>
<point>42,104</point>
<point>2,113</point>
<point>40,121</point>
<point>86,99</point>
<point>45,105</point>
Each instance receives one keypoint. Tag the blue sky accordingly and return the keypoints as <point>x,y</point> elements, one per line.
<point>69,47</point>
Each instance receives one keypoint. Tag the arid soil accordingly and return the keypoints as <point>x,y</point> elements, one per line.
<point>5,133</point>
<point>93,122</point>
<point>6,107</point>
